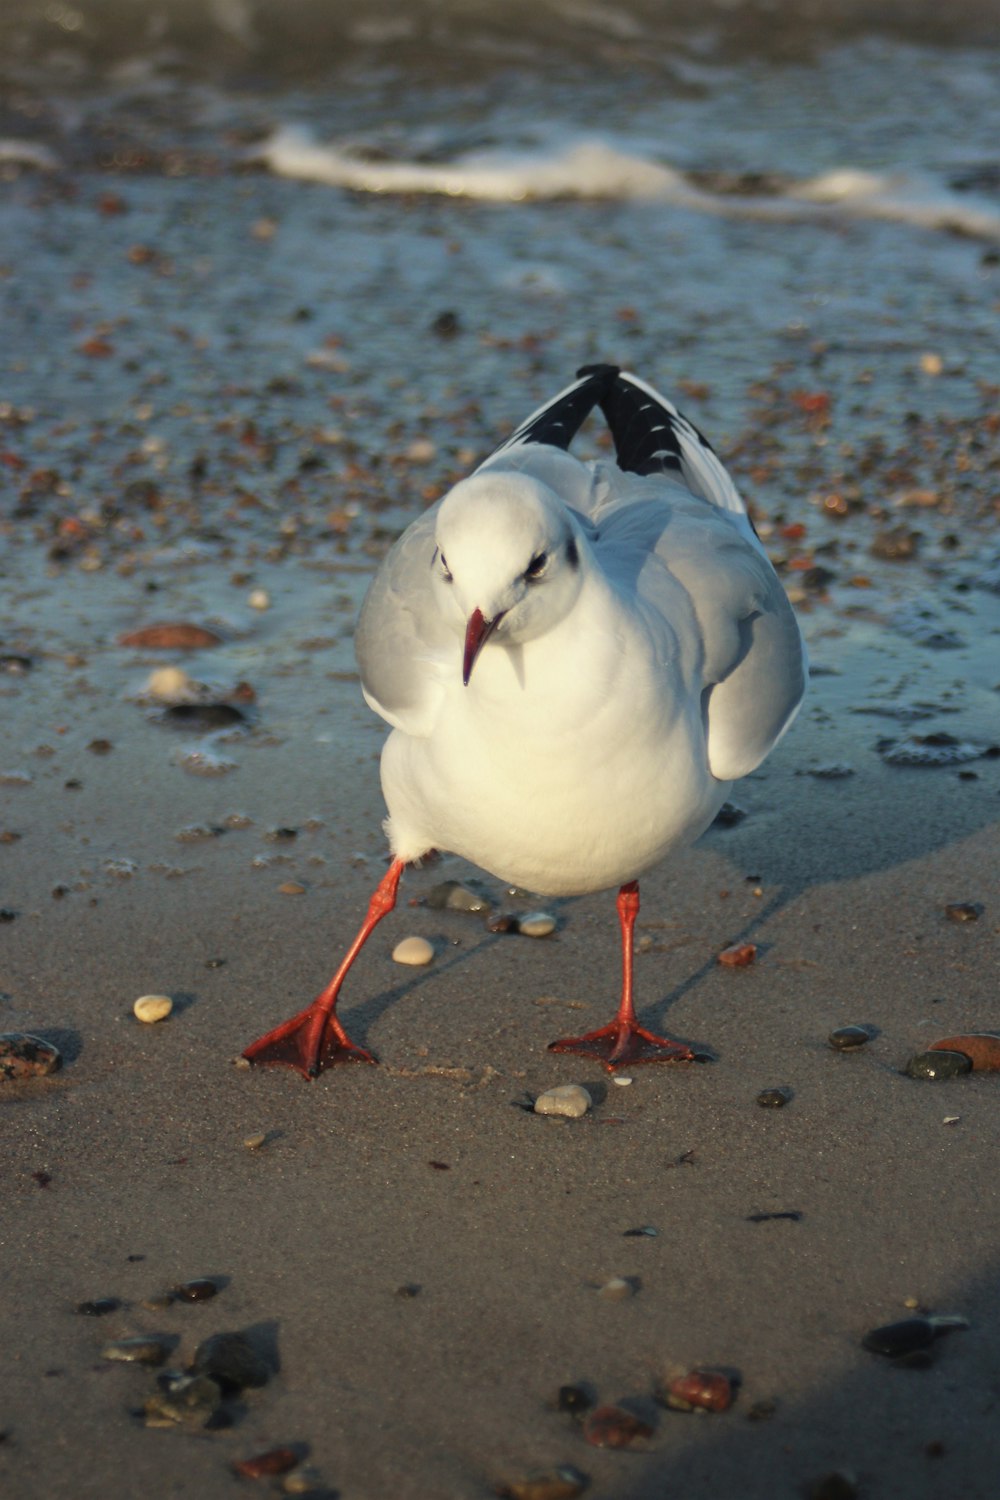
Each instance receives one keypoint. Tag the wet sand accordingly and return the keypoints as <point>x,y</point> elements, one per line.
<point>237,385</point>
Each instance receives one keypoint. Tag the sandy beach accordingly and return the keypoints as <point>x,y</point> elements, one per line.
<point>223,394</point>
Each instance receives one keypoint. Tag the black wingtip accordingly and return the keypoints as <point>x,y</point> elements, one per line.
<point>609,372</point>
<point>558,423</point>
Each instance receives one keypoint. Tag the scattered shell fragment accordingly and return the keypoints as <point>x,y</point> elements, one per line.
<point>981,1048</point>
<point>536,924</point>
<point>173,636</point>
<point>564,1483</point>
<point>775,1098</point>
<point>152,1008</point>
<point>910,1335</point>
<point>413,950</point>
<point>144,1349</point>
<point>849,1038</point>
<point>622,1080</point>
<point>617,1289</point>
<point>569,1099</point>
<point>707,1390</point>
<point>614,1427</point>
<point>232,1362</point>
<point>189,1400</point>
<point>263,1465</point>
<point>25,1056</point>
<point>938,1064</point>
<point>964,911</point>
<point>738,955</point>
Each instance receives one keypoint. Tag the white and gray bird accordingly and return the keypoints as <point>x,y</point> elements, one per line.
<point>577,660</point>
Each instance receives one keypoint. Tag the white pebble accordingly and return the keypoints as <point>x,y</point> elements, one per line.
<point>413,950</point>
<point>622,1079</point>
<point>568,1099</point>
<point>536,924</point>
<point>259,599</point>
<point>169,684</point>
<point>616,1290</point>
<point>150,1008</point>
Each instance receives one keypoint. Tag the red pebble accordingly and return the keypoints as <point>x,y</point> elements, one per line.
<point>275,1461</point>
<point>982,1047</point>
<point>613,1427</point>
<point>702,1388</point>
<point>738,956</point>
<point>174,636</point>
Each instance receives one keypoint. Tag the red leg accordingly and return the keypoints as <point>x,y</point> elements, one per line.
<point>315,1039</point>
<point>623,1041</point>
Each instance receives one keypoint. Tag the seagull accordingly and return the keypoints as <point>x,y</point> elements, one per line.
<point>577,660</point>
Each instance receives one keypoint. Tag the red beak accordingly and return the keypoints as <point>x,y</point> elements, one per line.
<point>477,633</point>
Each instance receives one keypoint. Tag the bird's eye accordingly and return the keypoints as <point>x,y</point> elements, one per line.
<point>537,566</point>
<point>445,570</point>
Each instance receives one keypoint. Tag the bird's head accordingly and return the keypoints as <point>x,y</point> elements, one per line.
<point>507,560</point>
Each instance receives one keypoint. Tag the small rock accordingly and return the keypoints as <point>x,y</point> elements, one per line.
<point>152,1008</point>
<point>775,1098</point>
<point>762,1410</point>
<point>849,1038</point>
<point>188,1400</point>
<point>305,1481</point>
<point>841,1484</point>
<point>706,1390</point>
<point>170,684</point>
<point>617,1289</point>
<point>910,1335</point>
<point>263,1465</point>
<point>25,1056</point>
<point>413,950</point>
<point>501,921</point>
<point>232,1362</point>
<point>259,599</point>
<point>141,1350</point>
<point>536,924</point>
<point>291,888</point>
<point>729,815</point>
<point>896,544</point>
<point>201,1289</point>
<point>964,911</point>
<point>569,1099</point>
<point>254,1142</point>
<point>622,1080</point>
<point>452,895</point>
<point>613,1427</point>
<point>99,1307</point>
<point>574,1399</point>
<point>175,636</point>
<point>738,955</point>
<point>938,1064</point>
<point>564,1483</point>
<point>982,1048</point>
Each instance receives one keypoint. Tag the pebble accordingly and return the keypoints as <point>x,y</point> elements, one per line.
<point>259,599</point>
<point>305,1481</point>
<point>981,1048</point>
<point>849,1038</point>
<point>189,1400</point>
<point>775,1098</point>
<point>168,684</point>
<point>564,1483</point>
<point>452,895</point>
<point>910,1335</point>
<point>574,1399</point>
<point>141,1350</point>
<point>841,1484</point>
<point>274,1461</point>
<point>536,924</point>
<point>99,1307</point>
<point>964,911</point>
<point>254,1142</point>
<point>738,956</point>
<point>25,1056</point>
<point>232,1362</point>
<point>614,1427</point>
<point>291,888</point>
<point>413,950</point>
<point>201,1289</point>
<point>152,1008</point>
<point>704,1390</point>
<point>622,1080</point>
<point>501,921</point>
<point>938,1064</point>
<point>175,636</point>
<point>570,1099</point>
<point>617,1289</point>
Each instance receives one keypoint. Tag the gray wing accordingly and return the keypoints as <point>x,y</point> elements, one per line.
<point>401,643</point>
<point>751,659</point>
